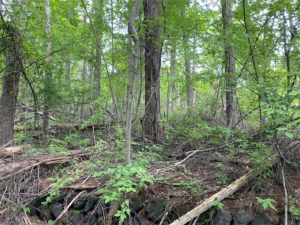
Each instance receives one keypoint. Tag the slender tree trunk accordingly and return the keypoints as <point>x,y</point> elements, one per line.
<point>98,69</point>
<point>187,65</point>
<point>172,74</point>
<point>84,72</point>
<point>152,129</point>
<point>132,66</point>
<point>47,86</point>
<point>230,73</point>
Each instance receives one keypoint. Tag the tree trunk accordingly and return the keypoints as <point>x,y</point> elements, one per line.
<point>132,66</point>
<point>230,76</point>
<point>153,49</point>
<point>187,65</point>
<point>47,86</point>
<point>8,100</point>
<point>98,69</point>
<point>171,84</point>
<point>84,72</point>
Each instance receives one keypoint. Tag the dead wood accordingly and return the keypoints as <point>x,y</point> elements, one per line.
<point>66,209</point>
<point>11,169</point>
<point>16,149</point>
<point>76,126</point>
<point>219,196</point>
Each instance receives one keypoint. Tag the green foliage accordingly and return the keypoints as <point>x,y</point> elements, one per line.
<point>124,180</point>
<point>266,203</point>
<point>294,209</point>
<point>194,187</point>
<point>219,205</point>
<point>67,177</point>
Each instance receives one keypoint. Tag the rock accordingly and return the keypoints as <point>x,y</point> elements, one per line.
<point>44,212</point>
<point>90,219</point>
<point>74,217</point>
<point>263,219</point>
<point>101,208</point>
<point>32,211</point>
<point>204,217</point>
<point>139,220</point>
<point>242,218</point>
<point>221,218</point>
<point>56,209</point>
<point>155,209</point>
<point>80,202</point>
<point>136,220</point>
<point>70,197</point>
<point>61,197</point>
<point>90,204</point>
<point>135,205</point>
<point>39,201</point>
<point>100,221</point>
<point>178,211</point>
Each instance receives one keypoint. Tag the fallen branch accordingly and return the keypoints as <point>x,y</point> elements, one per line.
<point>219,196</point>
<point>66,209</point>
<point>16,149</point>
<point>11,169</point>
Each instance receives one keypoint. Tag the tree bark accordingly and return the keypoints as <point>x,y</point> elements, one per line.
<point>98,69</point>
<point>230,72</point>
<point>153,49</point>
<point>187,63</point>
<point>47,86</point>
<point>224,193</point>
<point>10,84</point>
<point>132,66</point>
<point>84,72</point>
<point>8,100</point>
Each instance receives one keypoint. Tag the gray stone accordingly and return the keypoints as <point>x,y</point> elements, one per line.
<point>100,221</point>
<point>242,218</point>
<point>135,205</point>
<point>263,219</point>
<point>80,202</point>
<point>74,217</point>
<point>204,217</point>
<point>101,208</point>
<point>221,218</point>
<point>155,209</point>
<point>44,212</point>
<point>61,197</point>
<point>56,209</point>
<point>90,204</point>
<point>178,211</point>
<point>90,219</point>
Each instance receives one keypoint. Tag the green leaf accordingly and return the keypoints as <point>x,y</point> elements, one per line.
<point>289,135</point>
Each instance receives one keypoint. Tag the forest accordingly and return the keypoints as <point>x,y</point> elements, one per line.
<point>137,112</point>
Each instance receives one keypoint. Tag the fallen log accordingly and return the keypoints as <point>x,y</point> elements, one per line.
<point>15,149</point>
<point>11,169</point>
<point>219,196</point>
<point>76,126</point>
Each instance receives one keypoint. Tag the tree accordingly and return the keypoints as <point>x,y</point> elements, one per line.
<point>229,63</point>
<point>132,67</point>
<point>10,87</point>
<point>187,63</point>
<point>47,97</point>
<point>153,50</point>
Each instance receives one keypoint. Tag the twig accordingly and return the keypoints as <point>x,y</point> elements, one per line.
<point>285,193</point>
<point>66,209</point>
<point>205,150</point>
<point>6,144</point>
